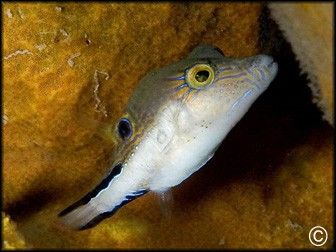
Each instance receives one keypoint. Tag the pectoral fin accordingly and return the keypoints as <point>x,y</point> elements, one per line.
<point>165,200</point>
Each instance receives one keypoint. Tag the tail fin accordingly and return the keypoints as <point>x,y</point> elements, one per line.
<point>95,206</point>
<point>79,217</point>
<point>89,215</point>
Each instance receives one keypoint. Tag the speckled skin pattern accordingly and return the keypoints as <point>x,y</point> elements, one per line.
<point>68,72</point>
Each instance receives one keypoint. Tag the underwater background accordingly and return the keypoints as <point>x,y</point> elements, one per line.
<point>68,70</point>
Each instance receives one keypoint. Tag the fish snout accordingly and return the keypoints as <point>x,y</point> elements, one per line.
<point>261,69</point>
<point>269,63</point>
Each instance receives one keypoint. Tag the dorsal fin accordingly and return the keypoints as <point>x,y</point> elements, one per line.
<point>206,51</point>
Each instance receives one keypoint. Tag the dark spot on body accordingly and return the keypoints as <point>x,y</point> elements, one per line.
<point>219,50</point>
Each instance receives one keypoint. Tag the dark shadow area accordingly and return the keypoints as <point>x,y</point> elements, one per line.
<point>31,203</point>
<point>282,118</point>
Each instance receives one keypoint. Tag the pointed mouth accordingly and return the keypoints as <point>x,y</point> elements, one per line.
<point>269,64</point>
<point>272,66</point>
<point>264,72</point>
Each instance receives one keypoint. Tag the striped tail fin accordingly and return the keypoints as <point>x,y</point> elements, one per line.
<point>93,207</point>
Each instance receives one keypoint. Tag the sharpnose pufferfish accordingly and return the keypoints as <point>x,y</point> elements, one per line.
<point>173,123</point>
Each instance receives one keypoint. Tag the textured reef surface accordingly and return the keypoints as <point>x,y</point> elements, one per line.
<point>313,46</point>
<point>68,72</point>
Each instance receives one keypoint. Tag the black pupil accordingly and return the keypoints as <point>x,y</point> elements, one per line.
<point>124,128</point>
<point>202,76</point>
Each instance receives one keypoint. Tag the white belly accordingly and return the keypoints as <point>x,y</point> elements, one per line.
<point>177,145</point>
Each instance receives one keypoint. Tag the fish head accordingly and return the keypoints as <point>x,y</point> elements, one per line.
<point>218,88</point>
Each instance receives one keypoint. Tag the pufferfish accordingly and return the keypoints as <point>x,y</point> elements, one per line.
<point>173,123</point>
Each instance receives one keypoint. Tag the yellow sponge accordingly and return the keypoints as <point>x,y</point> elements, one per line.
<point>308,27</point>
<point>12,239</point>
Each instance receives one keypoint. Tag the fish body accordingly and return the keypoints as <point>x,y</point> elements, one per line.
<point>173,123</point>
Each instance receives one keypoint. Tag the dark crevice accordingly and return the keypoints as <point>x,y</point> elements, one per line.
<point>32,202</point>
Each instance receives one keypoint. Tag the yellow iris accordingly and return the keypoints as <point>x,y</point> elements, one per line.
<point>200,76</point>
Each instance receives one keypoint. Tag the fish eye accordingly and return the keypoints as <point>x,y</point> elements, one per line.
<point>124,128</point>
<point>200,76</point>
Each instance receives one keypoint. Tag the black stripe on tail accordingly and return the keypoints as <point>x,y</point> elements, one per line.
<point>107,214</point>
<point>106,181</point>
